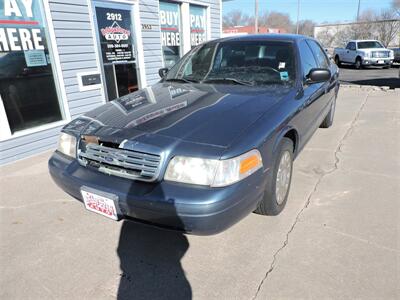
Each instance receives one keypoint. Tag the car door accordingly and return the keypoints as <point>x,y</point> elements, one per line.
<point>311,94</point>
<point>329,86</point>
<point>350,51</point>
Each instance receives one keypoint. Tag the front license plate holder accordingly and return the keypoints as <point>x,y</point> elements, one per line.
<point>381,62</point>
<point>100,202</point>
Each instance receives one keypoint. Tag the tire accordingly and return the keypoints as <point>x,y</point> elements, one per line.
<point>271,205</point>
<point>328,121</point>
<point>337,61</point>
<point>358,64</point>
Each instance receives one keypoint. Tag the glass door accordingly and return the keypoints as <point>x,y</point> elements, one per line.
<point>115,35</point>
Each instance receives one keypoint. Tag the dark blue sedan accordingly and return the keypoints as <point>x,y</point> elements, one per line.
<point>210,143</point>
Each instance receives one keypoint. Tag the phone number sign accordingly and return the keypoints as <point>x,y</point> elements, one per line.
<point>115,34</point>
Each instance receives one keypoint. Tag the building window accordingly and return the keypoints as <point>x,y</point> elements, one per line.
<point>171,32</point>
<point>27,86</point>
<point>198,25</point>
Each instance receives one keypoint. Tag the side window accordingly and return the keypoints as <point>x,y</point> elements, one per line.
<point>307,58</point>
<point>320,55</point>
<point>351,46</point>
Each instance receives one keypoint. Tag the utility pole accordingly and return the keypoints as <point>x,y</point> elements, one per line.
<point>256,16</point>
<point>298,13</point>
<point>358,11</point>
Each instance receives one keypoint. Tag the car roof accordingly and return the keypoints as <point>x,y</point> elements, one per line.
<point>264,37</point>
<point>364,41</point>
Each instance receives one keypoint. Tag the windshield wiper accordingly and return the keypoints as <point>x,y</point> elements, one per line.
<point>228,80</point>
<point>185,80</point>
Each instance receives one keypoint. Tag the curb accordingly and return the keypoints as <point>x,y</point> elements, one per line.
<point>369,87</point>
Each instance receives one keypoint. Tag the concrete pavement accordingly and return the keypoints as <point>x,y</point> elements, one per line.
<point>338,237</point>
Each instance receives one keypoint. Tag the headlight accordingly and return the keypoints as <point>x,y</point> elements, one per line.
<point>212,172</point>
<point>67,144</point>
<point>366,54</point>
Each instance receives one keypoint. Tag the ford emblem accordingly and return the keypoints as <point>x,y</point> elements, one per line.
<point>109,159</point>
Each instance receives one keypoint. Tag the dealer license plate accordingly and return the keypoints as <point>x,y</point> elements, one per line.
<point>381,62</point>
<point>100,204</point>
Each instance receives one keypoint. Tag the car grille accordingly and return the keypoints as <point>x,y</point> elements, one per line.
<point>119,162</point>
<point>380,54</point>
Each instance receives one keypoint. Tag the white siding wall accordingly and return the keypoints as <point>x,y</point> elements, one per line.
<point>151,39</point>
<point>75,43</point>
<point>76,47</point>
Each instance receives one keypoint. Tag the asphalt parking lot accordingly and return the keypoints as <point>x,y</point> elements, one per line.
<point>375,76</point>
<point>338,238</point>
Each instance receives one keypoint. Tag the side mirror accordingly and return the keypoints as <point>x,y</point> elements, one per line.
<point>318,75</point>
<point>163,72</point>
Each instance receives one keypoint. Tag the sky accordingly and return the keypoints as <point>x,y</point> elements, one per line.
<point>317,10</point>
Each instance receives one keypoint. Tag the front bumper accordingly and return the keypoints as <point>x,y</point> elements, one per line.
<point>192,209</point>
<point>377,61</point>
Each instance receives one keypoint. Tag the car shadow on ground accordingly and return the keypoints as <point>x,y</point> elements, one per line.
<point>150,263</point>
<point>392,83</point>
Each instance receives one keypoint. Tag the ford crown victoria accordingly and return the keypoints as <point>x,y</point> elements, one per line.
<point>210,143</point>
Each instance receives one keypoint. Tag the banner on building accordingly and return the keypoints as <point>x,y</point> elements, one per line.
<point>170,24</point>
<point>198,25</point>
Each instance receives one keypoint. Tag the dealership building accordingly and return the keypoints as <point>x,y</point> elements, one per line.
<point>62,58</point>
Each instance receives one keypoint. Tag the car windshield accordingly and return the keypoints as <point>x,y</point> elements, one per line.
<point>240,63</point>
<point>369,44</point>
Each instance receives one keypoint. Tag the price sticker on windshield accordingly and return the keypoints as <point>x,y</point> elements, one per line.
<point>284,76</point>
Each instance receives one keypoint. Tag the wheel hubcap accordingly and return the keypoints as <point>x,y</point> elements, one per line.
<point>283,177</point>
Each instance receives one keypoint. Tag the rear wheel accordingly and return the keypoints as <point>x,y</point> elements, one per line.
<point>358,63</point>
<point>328,121</point>
<point>277,190</point>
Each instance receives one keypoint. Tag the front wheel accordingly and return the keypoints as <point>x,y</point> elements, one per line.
<point>358,63</point>
<point>277,189</point>
<point>337,60</point>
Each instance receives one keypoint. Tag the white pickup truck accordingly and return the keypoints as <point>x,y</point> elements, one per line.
<point>364,53</point>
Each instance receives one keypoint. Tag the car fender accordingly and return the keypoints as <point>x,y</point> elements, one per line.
<point>281,134</point>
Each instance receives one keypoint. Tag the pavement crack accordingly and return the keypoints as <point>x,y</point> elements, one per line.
<point>315,188</point>
<point>345,136</point>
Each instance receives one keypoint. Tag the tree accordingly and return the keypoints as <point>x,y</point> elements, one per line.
<point>326,37</point>
<point>276,20</point>
<point>306,27</point>
<point>236,18</point>
<point>377,25</point>
<point>365,28</point>
<point>388,27</point>
<point>396,6</point>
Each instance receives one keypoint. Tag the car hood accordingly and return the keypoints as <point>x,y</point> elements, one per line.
<point>197,113</point>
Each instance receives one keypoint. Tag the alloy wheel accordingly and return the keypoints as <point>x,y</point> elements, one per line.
<point>283,177</point>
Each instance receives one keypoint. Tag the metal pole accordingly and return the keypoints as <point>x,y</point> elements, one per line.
<point>256,17</point>
<point>298,13</point>
<point>358,10</point>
